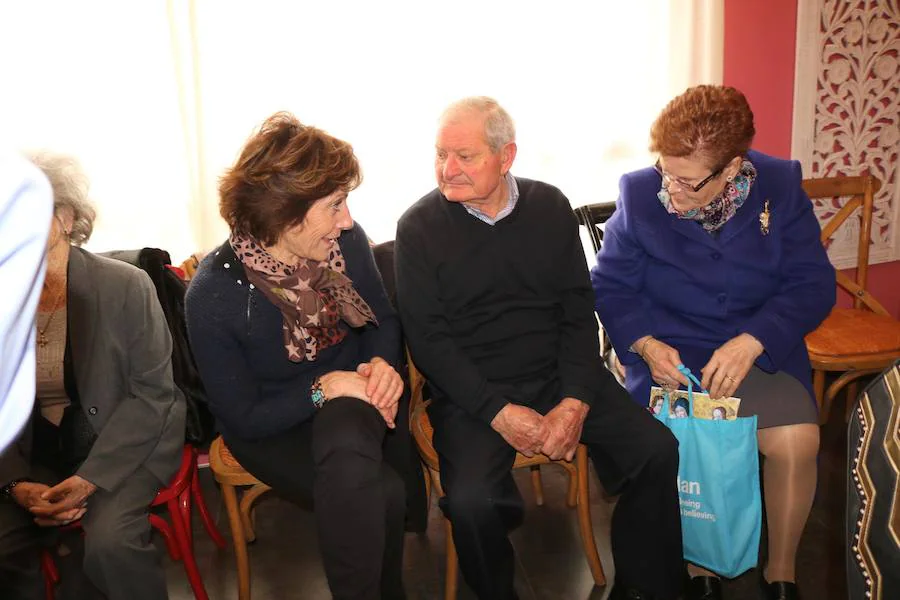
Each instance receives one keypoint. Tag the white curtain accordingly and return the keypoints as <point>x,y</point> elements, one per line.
<point>156,99</point>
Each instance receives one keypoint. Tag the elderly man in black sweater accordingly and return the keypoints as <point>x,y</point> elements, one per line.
<point>497,307</point>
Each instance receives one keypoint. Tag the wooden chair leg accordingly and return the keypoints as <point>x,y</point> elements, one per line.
<point>819,391</point>
<point>585,525</point>
<point>451,584</point>
<point>247,501</point>
<point>572,494</point>
<point>852,393</point>
<point>537,484</point>
<point>240,542</point>
<point>427,490</point>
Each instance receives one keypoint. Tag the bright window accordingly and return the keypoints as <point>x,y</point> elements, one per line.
<point>157,99</point>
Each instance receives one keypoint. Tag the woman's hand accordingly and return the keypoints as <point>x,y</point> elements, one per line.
<point>56,506</point>
<point>28,493</point>
<point>385,386</point>
<point>349,384</point>
<point>729,364</point>
<point>67,496</point>
<point>344,384</point>
<point>663,361</point>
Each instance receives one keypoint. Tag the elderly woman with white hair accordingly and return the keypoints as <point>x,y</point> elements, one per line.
<point>108,421</point>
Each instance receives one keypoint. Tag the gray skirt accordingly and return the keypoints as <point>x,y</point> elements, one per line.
<point>776,399</point>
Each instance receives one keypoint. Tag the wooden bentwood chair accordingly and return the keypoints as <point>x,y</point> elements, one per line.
<point>231,476</point>
<point>577,496</point>
<point>856,341</point>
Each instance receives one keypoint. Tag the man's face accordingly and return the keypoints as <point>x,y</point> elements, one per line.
<point>466,168</point>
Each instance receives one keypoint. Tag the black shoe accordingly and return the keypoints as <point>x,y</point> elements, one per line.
<point>705,588</point>
<point>780,590</point>
<point>620,592</point>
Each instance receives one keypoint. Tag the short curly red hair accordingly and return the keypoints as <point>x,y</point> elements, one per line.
<point>713,122</point>
<point>283,169</point>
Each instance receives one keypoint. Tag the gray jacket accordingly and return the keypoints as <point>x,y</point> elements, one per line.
<point>121,353</point>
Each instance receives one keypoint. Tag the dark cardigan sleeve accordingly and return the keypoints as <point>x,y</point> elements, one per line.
<point>382,340</point>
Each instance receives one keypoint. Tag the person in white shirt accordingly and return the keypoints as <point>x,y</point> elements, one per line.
<point>26,208</point>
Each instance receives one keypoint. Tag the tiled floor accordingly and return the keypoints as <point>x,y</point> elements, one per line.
<point>285,562</point>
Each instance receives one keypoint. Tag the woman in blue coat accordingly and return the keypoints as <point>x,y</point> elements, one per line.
<point>712,259</point>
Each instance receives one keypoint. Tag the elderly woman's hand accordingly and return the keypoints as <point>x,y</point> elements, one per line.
<point>729,364</point>
<point>69,494</point>
<point>663,361</point>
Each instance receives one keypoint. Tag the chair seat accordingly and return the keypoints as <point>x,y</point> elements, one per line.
<point>854,332</point>
<point>225,466</point>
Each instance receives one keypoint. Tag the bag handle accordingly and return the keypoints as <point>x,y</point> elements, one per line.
<point>692,380</point>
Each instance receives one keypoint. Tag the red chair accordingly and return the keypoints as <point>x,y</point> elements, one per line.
<point>178,535</point>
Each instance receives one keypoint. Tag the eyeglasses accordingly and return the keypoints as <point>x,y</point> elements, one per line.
<point>669,180</point>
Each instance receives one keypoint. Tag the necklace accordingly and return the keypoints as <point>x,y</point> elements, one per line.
<point>42,340</point>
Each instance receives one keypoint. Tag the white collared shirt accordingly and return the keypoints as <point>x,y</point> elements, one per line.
<point>512,198</point>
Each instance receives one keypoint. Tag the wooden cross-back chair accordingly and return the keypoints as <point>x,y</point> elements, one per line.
<point>864,339</point>
<point>578,493</point>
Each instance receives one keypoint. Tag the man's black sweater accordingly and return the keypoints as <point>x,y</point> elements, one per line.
<point>490,311</point>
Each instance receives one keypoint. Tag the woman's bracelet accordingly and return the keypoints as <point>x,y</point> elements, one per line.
<point>317,394</point>
<point>649,339</point>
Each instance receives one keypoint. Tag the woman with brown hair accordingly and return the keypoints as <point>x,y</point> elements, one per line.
<point>712,259</point>
<point>298,348</point>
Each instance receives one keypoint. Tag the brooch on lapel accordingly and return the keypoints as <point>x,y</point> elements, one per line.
<point>764,217</point>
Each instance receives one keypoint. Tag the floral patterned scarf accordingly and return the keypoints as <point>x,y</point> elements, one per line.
<point>313,297</point>
<point>723,206</point>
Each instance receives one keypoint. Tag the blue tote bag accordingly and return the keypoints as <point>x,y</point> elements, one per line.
<point>718,488</point>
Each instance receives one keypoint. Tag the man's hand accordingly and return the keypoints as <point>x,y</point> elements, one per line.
<point>28,495</point>
<point>729,364</point>
<point>522,428</point>
<point>65,497</point>
<point>564,422</point>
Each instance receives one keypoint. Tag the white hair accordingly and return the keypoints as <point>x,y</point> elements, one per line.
<point>70,192</point>
<point>499,128</point>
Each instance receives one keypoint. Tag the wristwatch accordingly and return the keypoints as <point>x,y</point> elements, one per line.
<point>317,394</point>
<point>6,490</point>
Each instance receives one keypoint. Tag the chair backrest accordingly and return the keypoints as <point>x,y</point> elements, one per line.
<point>860,191</point>
<point>592,217</point>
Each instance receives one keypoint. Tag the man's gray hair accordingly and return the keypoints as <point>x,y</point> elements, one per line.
<point>70,192</point>
<point>499,128</point>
